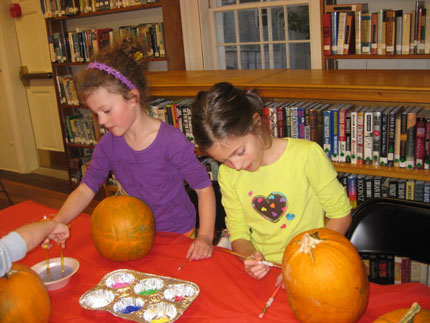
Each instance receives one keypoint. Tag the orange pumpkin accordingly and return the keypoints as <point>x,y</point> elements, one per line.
<point>324,277</point>
<point>122,228</point>
<point>23,297</point>
<point>421,316</point>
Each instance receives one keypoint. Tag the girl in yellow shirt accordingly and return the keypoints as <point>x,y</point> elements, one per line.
<point>272,188</point>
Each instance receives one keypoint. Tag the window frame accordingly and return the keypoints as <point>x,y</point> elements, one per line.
<point>314,30</point>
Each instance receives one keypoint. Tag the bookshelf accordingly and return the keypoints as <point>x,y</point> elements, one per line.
<point>381,87</point>
<point>398,10</point>
<point>165,11</point>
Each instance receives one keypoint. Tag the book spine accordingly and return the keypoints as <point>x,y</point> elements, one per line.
<point>342,136</point>
<point>391,138</point>
<point>376,137</point>
<point>366,37</point>
<point>384,137</point>
<point>391,32</point>
<point>354,137</point>
<point>357,23</point>
<point>334,24</point>
<point>368,137</point>
<point>374,36</point>
<point>427,144</point>
<point>360,137</point>
<point>327,133</point>
<point>397,138</point>
<point>360,189</point>
<point>399,28</point>
<point>352,190</point>
<point>377,186</point>
<point>326,25</point>
<point>410,141</point>
<point>334,126</point>
<point>420,143</point>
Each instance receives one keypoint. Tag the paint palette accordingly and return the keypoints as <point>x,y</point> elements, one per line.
<point>141,297</point>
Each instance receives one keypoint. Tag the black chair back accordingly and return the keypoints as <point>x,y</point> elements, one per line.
<point>392,226</point>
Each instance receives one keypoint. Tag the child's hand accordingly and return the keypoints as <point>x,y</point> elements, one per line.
<point>59,234</point>
<point>201,248</point>
<point>254,268</point>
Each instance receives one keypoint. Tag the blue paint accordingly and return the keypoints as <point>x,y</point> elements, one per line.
<point>130,309</point>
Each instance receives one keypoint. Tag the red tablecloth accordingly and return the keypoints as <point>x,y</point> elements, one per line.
<point>227,293</point>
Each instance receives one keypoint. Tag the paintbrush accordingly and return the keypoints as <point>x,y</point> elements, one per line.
<point>62,260</point>
<point>47,258</point>
<point>269,301</point>
<point>264,262</point>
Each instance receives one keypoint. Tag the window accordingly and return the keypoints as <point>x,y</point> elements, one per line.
<point>260,34</point>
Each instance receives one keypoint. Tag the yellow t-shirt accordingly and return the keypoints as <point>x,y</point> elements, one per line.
<point>278,201</point>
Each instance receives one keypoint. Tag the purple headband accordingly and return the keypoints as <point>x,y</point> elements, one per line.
<point>115,73</point>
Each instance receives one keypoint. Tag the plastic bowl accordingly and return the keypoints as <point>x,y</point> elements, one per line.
<point>55,279</point>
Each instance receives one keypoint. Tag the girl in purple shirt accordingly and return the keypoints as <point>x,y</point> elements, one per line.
<point>150,159</point>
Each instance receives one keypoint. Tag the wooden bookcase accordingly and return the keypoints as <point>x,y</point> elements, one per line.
<point>166,11</point>
<point>379,87</point>
<point>330,61</point>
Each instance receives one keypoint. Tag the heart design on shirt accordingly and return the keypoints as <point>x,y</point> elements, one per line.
<point>272,207</point>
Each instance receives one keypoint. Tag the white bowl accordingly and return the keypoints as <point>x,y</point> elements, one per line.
<point>55,279</point>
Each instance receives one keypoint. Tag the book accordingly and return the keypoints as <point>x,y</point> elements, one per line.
<point>334,31</point>
<point>401,193</point>
<point>326,31</point>
<point>352,190</point>
<point>361,189</point>
<point>366,34</point>
<point>385,269</point>
<point>341,27</point>
<point>393,187</point>
<point>346,7</point>
<point>410,141</point>
<point>406,33</point>
<point>357,32</point>
<point>390,32</point>
<point>368,136</point>
<point>419,191</point>
<point>377,186</point>
<point>420,138</point>
<point>360,135</point>
<point>391,132</point>
<point>383,160</point>
<point>427,33</point>
<point>402,269</point>
<point>421,32</point>
<point>426,195</point>
<point>377,113</point>
<point>349,45</point>
<point>382,31</point>
<point>410,186</point>
<point>368,187</point>
<point>373,268</point>
<point>399,30</point>
<point>397,136</point>
<point>374,34</point>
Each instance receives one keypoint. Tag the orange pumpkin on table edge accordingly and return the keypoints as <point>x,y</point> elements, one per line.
<point>23,296</point>
<point>122,228</point>
<point>325,279</point>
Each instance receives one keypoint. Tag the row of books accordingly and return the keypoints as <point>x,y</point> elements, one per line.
<point>80,128</point>
<point>58,8</point>
<point>80,46</point>
<point>387,136</point>
<point>361,188</point>
<point>394,136</point>
<point>351,29</point>
<point>388,269</point>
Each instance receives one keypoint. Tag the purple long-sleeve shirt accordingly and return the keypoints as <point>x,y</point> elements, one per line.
<point>155,175</point>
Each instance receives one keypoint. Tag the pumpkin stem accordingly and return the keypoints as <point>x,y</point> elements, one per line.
<point>120,191</point>
<point>409,316</point>
<point>308,243</point>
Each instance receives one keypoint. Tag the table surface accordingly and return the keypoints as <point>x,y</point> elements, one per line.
<point>227,293</point>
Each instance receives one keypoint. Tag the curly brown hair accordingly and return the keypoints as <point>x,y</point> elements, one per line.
<point>126,57</point>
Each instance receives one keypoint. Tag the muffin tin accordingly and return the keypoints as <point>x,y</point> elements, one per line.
<point>140,297</point>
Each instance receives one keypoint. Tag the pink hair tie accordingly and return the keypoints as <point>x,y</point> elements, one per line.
<point>115,73</point>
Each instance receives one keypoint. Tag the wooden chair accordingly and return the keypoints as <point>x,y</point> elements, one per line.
<point>392,226</point>
<point>3,190</point>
